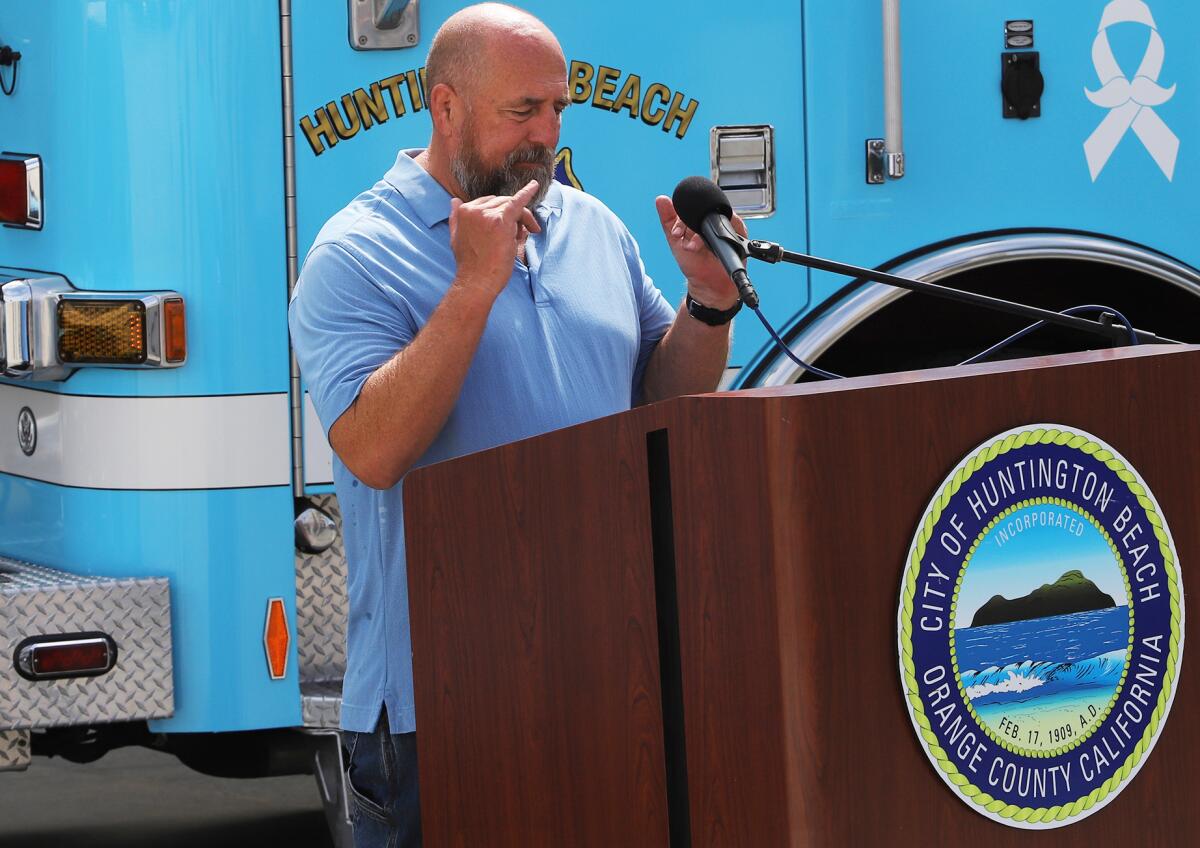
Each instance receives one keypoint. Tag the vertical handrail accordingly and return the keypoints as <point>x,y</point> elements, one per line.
<point>893,105</point>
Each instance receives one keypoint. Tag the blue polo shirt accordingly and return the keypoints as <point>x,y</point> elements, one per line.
<point>567,341</point>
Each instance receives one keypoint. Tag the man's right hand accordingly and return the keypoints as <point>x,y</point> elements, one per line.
<point>485,234</point>
<point>405,403</point>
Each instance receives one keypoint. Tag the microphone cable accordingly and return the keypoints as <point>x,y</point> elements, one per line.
<point>1000,345</point>
<point>812,369</point>
<point>1074,310</point>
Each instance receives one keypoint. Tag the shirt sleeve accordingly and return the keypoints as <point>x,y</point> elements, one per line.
<point>655,314</point>
<point>344,326</point>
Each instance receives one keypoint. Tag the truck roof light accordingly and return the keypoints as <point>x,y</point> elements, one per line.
<point>174,330</point>
<point>65,655</point>
<point>21,190</point>
<point>102,331</point>
<point>276,638</point>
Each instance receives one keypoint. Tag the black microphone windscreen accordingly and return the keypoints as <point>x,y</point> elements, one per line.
<point>696,197</point>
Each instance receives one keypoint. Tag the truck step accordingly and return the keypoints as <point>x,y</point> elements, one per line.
<point>321,703</point>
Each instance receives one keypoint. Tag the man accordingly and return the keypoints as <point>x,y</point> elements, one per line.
<point>464,301</point>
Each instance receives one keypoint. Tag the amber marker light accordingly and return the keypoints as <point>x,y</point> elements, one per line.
<point>276,638</point>
<point>102,332</point>
<point>174,331</point>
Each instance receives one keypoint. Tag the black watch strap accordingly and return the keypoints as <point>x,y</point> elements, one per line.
<point>708,315</point>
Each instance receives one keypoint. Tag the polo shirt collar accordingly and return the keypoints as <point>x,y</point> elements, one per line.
<point>431,202</point>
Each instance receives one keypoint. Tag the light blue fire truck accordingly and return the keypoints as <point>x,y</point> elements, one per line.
<point>171,569</point>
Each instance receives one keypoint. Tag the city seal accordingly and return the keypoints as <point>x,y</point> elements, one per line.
<point>1040,626</point>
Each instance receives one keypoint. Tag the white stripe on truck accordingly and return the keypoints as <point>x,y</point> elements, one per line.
<point>214,442</point>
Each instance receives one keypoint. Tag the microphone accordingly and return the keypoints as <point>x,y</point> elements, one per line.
<point>702,205</point>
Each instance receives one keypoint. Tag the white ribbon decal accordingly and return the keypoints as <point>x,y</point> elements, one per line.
<point>1130,101</point>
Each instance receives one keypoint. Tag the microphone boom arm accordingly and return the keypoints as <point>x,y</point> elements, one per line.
<point>767,251</point>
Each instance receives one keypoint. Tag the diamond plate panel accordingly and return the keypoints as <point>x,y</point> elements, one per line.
<point>135,613</point>
<point>15,752</point>
<point>322,610</point>
<point>321,703</point>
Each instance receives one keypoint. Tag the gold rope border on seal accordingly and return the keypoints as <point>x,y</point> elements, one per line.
<point>995,806</point>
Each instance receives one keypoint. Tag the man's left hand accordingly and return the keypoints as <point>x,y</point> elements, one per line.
<point>707,281</point>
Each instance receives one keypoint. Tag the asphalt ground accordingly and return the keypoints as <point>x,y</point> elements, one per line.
<point>137,798</point>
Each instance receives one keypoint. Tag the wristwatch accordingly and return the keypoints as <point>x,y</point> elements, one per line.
<point>708,315</point>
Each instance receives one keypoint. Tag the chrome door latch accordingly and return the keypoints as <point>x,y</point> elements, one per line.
<point>384,24</point>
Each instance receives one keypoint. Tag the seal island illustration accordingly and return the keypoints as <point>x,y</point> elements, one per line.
<point>1068,594</point>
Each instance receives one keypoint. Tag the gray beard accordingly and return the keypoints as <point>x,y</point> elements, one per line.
<point>477,181</point>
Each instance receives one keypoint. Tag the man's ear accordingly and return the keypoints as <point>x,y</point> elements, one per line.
<point>447,110</point>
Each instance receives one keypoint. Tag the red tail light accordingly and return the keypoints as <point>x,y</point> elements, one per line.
<point>21,190</point>
<point>67,655</point>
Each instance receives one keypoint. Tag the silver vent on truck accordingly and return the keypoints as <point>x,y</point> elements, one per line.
<point>743,165</point>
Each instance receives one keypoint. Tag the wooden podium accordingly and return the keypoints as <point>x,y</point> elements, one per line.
<point>678,625</point>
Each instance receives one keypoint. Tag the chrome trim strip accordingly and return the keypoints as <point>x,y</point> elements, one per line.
<point>33,175</point>
<point>293,253</point>
<point>33,189</point>
<point>16,303</point>
<point>869,298</point>
<point>24,661</point>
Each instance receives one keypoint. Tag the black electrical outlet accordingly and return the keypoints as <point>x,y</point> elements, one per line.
<point>1021,85</point>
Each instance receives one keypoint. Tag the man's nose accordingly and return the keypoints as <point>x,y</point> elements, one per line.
<point>544,129</point>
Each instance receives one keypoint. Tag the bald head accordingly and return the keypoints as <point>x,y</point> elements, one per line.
<point>471,41</point>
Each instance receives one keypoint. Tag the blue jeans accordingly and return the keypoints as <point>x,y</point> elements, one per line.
<point>382,777</point>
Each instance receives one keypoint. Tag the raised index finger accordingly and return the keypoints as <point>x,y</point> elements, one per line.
<point>518,201</point>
